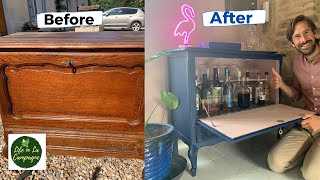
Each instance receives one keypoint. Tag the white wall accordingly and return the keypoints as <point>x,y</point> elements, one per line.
<point>51,6</point>
<point>17,14</point>
<point>161,20</point>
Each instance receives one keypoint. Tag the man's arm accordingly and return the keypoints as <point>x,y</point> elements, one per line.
<point>293,92</point>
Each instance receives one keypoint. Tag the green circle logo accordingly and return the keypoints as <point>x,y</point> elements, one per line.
<point>26,152</point>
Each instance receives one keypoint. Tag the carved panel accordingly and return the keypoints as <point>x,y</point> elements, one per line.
<point>103,92</point>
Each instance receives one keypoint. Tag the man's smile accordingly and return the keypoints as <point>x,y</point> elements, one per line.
<point>306,45</point>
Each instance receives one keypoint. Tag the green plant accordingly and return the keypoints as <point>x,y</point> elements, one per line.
<point>108,4</point>
<point>169,99</point>
<point>29,25</point>
<point>59,6</point>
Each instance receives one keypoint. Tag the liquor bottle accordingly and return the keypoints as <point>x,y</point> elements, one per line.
<point>257,88</point>
<point>262,94</point>
<point>211,106</point>
<point>237,88</point>
<point>249,84</point>
<point>244,95</point>
<point>216,90</point>
<point>206,92</point>
<point>228,91</point>
<point>198,99</point>
<point>266,87</point>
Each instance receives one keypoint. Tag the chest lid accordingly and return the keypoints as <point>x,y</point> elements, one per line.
<point>74,41</point>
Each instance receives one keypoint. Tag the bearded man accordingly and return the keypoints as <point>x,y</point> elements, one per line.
<point>302,143</point>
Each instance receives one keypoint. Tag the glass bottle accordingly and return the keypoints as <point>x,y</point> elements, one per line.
<point>198,98</point>
<point>237,88</point>
<point>244,95</point>
<point>203,69</point>
<point>206,94</point>
<point>228,91</point>
<point>249,84</point>
<point>216,90</point>
<point>204,85</point>
<point>257,88</point>
<point>262,94</point>
<point>266,87</point>
<point>210,105</point>
<point>252,42</point>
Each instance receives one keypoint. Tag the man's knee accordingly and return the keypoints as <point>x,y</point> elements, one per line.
<point>289,151</point>
<point>310,168</point>
<point>309,175</point>
<point>275,163</point>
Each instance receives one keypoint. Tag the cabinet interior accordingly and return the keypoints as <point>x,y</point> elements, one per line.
<point>206,65</point>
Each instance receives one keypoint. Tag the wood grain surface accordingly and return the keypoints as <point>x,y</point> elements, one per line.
<point>89,103</point>
<point>73,40</point>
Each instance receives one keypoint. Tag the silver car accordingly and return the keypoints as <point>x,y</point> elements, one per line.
<point>124,18</point>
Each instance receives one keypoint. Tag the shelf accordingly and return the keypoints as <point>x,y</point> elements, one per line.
<point>235,81</point>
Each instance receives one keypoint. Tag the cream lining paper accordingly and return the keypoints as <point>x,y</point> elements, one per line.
<point>244,122</point>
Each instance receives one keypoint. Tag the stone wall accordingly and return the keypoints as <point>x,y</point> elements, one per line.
<point>273,33</point>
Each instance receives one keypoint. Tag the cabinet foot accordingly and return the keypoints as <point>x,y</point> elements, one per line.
<point>193,154</point>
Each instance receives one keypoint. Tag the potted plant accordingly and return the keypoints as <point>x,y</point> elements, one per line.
<point>159,138</point>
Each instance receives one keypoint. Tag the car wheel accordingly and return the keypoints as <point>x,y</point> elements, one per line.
<point>135,26</point>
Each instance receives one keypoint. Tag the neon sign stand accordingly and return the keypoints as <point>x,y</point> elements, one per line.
<point>186,26</point>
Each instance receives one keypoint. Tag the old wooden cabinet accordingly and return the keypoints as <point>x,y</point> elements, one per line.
<point>84,90</point>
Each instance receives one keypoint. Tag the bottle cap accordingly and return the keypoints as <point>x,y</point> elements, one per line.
<point>226,72</point>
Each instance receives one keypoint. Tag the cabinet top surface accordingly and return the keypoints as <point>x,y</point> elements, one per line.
<point>74,40</point>
<point>225,53</point>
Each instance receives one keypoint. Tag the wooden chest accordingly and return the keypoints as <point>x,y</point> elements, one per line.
<point>84,90</point>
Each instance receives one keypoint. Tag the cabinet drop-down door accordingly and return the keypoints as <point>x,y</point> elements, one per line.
<point>238,126</point>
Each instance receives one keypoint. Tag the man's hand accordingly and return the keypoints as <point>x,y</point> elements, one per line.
<point>311,122</point>
<point>276,80</point>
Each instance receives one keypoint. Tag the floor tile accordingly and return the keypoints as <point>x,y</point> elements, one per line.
<point>182,145</point>
<point>292,174</point>
<point>226,167</point>
<point>249,176</point>
<point>246,160</point>
<point>205,155</point>
<point>187,176</point>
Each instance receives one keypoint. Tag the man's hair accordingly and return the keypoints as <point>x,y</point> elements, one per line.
<point>294,22</point>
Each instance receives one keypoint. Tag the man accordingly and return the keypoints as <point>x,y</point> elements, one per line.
<point>301,144</point>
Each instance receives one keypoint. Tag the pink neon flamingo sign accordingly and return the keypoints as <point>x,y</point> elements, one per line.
<point>186,26</point>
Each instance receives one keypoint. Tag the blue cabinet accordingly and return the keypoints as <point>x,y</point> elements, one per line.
<point>182,74</point>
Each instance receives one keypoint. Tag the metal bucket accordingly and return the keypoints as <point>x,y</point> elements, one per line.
<point>158,151</point>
